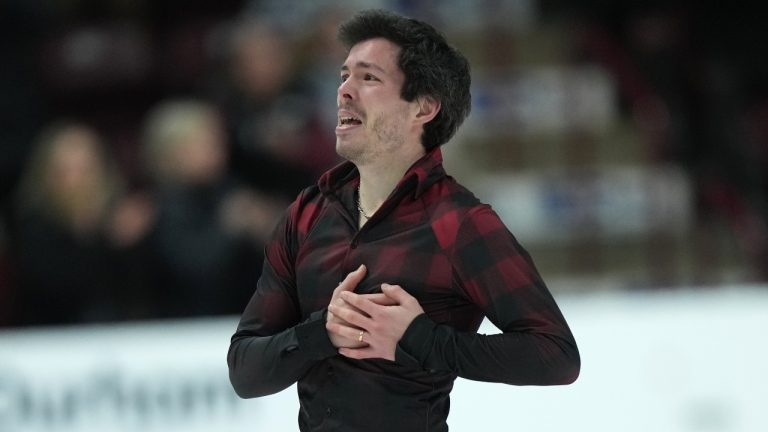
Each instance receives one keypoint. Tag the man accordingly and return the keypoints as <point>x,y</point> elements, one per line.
<point>421,261</point>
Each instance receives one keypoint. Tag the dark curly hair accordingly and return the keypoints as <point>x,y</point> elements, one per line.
<point>431,67</point>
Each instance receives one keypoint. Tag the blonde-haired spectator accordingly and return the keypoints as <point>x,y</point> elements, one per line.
<point>184,143</point>
<point>210,229</point>
<point>74,220</point>
<point>69,179</point>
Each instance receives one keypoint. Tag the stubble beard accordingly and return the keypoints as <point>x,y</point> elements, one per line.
<point>388,137</point>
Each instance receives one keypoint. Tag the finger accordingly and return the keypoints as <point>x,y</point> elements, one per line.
<point>339,302</point>
<point>348,284</point>
<point>361,302</point>
<point>350,316</point>
<point>352,279</point>
<point>335,318</point>
<point>342,304</point>
<point>351,333</point>
<point>396,293</point>
<point>341,329</point>
<point>341,341</point>
<point>380,299</point>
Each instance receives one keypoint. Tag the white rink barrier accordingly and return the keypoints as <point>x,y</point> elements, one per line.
<point>676,361</point>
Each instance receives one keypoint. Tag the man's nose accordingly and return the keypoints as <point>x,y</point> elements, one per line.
<point>346,90</point>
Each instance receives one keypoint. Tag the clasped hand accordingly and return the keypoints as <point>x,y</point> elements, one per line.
<point>382,317</point>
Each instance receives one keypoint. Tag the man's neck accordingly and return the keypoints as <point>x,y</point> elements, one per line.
<point>377,181</point>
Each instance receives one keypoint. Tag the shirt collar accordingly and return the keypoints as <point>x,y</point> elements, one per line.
<point>424,172</point>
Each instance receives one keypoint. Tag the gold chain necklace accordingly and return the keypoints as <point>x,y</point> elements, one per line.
<point>359,207</point>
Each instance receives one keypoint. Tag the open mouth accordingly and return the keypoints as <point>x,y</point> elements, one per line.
<point>349,121</point>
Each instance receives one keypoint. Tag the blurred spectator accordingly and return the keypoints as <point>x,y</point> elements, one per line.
<point>277,136</point>
<point>74,223</point>
<point>210,231</point>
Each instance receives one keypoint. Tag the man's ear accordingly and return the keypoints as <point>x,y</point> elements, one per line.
<point>428,108</point>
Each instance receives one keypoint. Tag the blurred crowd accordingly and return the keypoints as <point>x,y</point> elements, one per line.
<point>150,150</point>
<point>148,147</point>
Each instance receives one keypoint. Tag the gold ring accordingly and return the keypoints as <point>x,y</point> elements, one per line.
<point>360,336</point>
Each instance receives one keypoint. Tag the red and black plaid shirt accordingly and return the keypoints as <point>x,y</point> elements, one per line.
<point>437,241</point>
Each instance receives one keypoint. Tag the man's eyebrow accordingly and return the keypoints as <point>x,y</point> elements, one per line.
<point>364,65</point>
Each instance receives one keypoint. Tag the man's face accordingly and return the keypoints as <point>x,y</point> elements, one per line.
<point>373,118</point>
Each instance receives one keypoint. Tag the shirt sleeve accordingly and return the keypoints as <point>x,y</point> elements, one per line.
<point>536,346</point>
<point>272,347</point>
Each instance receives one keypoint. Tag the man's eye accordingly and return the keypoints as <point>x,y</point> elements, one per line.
<point>369,77</point>
<point>344,78</point>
